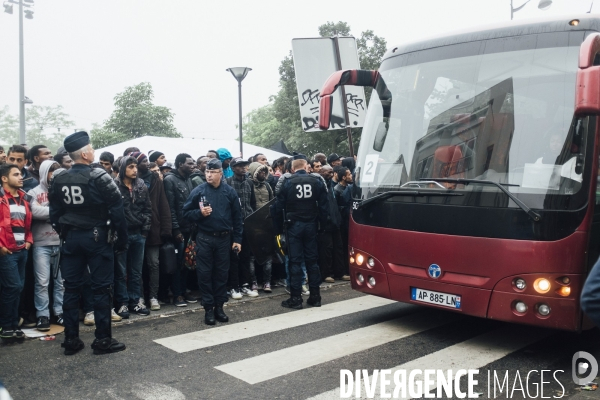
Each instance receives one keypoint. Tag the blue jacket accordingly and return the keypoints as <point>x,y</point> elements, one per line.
<point>226,211</point>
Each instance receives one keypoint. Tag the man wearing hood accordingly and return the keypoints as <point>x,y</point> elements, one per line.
<point>225,158</point>
<point>160,225</point>
<point>263,194</point>
<point>136,204</point>
<point>45,250</point>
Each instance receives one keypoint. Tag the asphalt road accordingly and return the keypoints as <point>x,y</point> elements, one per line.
<point>268,352</point>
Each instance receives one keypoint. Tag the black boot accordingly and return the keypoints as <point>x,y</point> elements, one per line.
<point>294,302</point>
<point>220,314</point>
<point>315,297</point>
<point>209,316</point>
<point>72,345</point>
<point>107,345</point>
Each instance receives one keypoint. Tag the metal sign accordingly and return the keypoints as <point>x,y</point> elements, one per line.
<point>315,59</point>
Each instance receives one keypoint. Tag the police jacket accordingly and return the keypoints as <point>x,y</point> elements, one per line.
<point>84,198</point>
<point>178,189</point>
<point>136,205</point>
<point>226,212</point>
<point>303,197</point>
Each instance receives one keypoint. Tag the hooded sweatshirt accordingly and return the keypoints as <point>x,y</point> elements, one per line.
<point>43,234</point>
<point>224,154</point>
<point>262,190</point>
<point>136,202</point>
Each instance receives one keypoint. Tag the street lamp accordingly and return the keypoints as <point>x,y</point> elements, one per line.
<point>239,73</point>
<point>542,5</point>
<point>8,8</point>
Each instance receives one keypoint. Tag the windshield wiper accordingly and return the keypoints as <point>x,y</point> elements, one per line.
<point>532,214</point>
<point>414,193</point>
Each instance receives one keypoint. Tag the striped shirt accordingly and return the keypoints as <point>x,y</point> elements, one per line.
<point>17,219</point>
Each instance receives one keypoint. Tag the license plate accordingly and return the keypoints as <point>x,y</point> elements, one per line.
<point>431,297</point>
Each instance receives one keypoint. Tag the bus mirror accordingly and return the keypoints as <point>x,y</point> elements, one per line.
<point>380,136</point>
<point>356,77</point>
<point>587,97</point>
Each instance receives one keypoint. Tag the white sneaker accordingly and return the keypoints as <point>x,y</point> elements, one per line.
<point>154,306</point>
<point>235,294</point>
<point>114,316</point>
<point>305,290</point>
<point>89,319</point>
<point>247,292</point>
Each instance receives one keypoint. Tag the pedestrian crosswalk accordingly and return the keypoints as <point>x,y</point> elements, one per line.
<point>232,332</point>
<point>469,352</point>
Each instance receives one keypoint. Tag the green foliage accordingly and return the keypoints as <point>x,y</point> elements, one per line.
<point>134,116</point>
<point>43,125</point>
<point>280,119</point>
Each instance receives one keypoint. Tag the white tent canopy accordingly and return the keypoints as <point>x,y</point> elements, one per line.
<point>194,147</point>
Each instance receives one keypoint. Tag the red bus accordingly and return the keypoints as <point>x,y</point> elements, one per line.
<point>477,172</point>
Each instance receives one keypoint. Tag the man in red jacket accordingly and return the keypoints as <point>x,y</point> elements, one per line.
<point>15,239</point>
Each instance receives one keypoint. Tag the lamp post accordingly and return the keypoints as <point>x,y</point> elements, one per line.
<point>8,8</point>
<point>542,5</point>
<point>239,73</point>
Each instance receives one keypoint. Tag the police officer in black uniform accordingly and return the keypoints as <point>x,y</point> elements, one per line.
<point>302,203</point>
<point>87,211</point>
<point>215,207</point>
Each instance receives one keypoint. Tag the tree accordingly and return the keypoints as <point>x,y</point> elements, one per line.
<point>43,125</point>
<point>280,119</point>
<point>134,116</point>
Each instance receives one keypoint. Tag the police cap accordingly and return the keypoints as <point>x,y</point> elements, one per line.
<point>76,141</point>
<point>214,163</point>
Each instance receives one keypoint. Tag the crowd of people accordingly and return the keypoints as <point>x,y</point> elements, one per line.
<point>175,221</point>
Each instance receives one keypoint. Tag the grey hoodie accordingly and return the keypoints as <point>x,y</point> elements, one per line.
<point>43,234</point>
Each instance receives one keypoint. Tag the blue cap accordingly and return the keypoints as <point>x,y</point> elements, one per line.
<point>298,156</point>
<point>76,141</point>
<point>214,164</point>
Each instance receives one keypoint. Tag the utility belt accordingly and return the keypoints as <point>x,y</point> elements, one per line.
<point>76,228</point>
<point>216,234</point>
<point>105,229</point>
<point>306,216</point>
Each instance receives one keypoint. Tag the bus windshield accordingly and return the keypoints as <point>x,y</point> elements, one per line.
<point>499,110</point>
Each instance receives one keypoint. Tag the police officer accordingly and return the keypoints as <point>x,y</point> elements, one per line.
<point>301,202</point>
<point>86,210</point>
<point>215,207</point>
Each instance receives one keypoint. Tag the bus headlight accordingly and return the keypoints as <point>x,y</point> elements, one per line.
<point>520,283</point>
<point>544,310</point>
<point>360,278</point>
<point>360,259</point>
<point>564,291</point>
<point>371,262</point>
<point>520,307</point>
<point>371,281</point>
<point>541,285</point>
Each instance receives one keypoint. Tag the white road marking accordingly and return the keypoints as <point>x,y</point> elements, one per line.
<point>473,353</point>
<point>291,359</point>
<point>243,330</point>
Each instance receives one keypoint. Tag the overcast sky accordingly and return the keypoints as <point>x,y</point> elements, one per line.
<point>80,54</point>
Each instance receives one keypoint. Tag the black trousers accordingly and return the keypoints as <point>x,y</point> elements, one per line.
<point>302,246</point>
<point>239,266</point>
<point>80,250</point>
<point>331,254</point>
<point>212,268</point>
